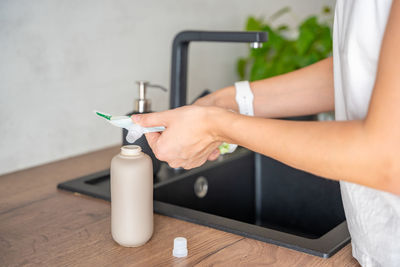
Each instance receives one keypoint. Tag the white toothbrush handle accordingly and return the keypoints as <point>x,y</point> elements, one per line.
<point>153,129</point>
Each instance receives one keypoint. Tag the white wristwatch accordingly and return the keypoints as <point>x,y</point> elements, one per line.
<point>244,98</point>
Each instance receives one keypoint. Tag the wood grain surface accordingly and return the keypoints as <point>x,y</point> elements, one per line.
<point>42,226</point>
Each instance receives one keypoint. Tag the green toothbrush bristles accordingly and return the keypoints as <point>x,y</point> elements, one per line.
<point>108,117</point>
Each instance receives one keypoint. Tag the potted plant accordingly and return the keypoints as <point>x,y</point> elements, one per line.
<point>283,53</point>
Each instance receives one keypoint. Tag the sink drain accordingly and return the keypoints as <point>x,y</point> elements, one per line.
<point>201,187</point>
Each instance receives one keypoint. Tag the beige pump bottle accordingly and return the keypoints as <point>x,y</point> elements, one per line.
<point>131,197</point>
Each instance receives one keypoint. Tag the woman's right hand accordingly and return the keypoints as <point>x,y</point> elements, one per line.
<point>208,100</point>
<point>222,98</point>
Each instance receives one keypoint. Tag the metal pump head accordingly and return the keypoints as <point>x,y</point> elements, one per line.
<point>143,104</point>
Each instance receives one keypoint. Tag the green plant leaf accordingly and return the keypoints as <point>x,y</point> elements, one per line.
<point>279,13</point>
<point>326,10</point>
<point>282,54</point>
<point>253,24</point>
<point>258,69</point>
<point>303,43</point>
<point>282,28</point>
<point>241,68</point>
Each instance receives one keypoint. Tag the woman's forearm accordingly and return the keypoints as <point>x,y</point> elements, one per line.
<point>335,150</point>
<point>302,92</point>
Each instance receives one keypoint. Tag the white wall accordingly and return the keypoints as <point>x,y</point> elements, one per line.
<point>60,59</point>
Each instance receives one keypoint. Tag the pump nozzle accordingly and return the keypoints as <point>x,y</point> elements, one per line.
<point>143,104</point>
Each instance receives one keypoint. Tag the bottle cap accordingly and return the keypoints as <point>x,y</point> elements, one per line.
<point>130,150</point>
<point>180,247</point>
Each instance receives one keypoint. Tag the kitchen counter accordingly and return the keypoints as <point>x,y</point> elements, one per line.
<point>40,225</point>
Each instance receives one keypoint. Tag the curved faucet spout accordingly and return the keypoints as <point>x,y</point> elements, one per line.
<point>180,48</point>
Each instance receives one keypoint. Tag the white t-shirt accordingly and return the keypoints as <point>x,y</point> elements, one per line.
<point>373,216</point>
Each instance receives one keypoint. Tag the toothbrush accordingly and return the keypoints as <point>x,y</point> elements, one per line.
<point>126,122</point>
<point>136,131</point>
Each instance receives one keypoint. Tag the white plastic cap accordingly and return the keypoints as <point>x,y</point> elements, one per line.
<point>180,247</point>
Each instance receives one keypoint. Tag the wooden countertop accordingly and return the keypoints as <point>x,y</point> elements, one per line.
<point>40,225</point>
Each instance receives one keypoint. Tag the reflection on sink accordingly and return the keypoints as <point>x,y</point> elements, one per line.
<point>275,204</point>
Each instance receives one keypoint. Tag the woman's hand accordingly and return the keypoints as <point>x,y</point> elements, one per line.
<point>223,98</point>
<point>189,138</point>
<point>207,100</point>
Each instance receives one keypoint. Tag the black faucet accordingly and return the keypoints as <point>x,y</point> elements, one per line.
<point>180,48</point>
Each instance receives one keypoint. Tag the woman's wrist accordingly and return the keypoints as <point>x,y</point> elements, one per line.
<point>219,120</point>
<point>225,98</point>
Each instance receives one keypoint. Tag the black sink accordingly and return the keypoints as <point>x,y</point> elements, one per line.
<point>275,204</point>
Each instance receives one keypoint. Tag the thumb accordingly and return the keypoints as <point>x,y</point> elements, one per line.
<point>149,119</point>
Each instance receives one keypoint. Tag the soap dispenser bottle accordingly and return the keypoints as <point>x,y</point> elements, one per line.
<point>143,105</point>
<point>131,187</point>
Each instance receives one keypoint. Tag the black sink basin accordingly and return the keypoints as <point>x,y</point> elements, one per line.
<point>275,204</point>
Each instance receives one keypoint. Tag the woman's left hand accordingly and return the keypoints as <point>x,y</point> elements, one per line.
<point>189,138</point>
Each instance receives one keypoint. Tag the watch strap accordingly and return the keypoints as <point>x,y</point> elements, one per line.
<point>244,98</point>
